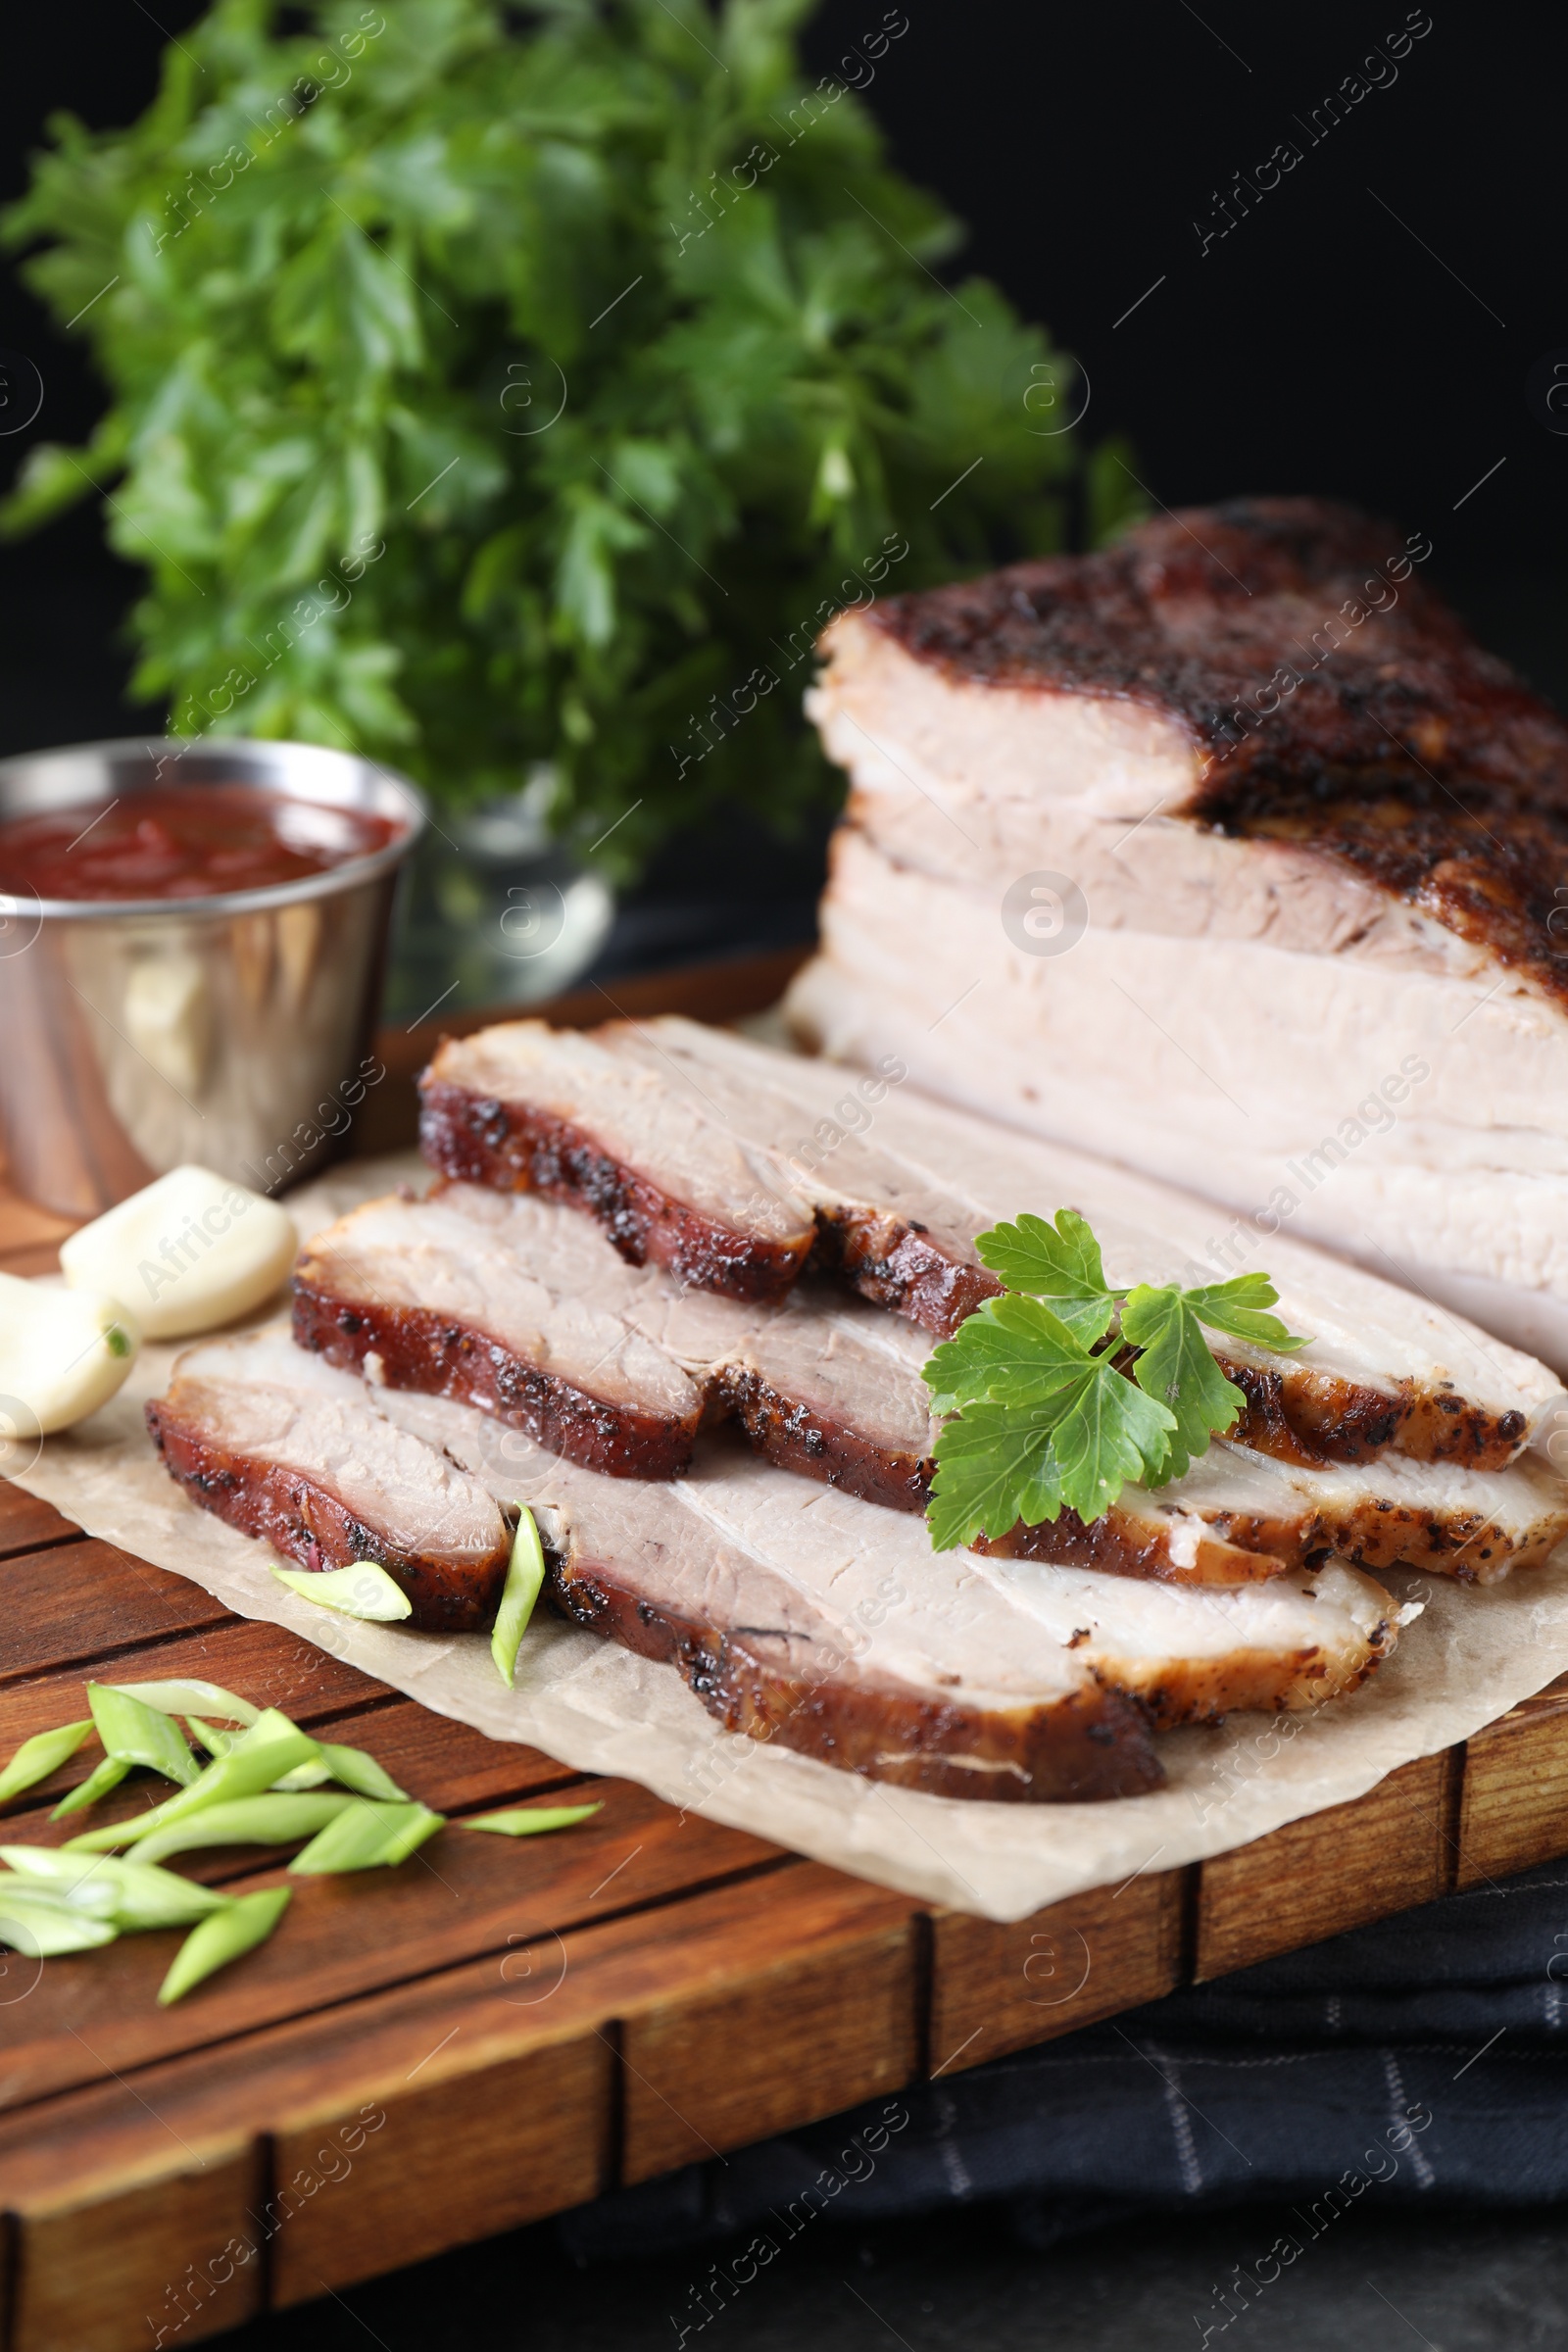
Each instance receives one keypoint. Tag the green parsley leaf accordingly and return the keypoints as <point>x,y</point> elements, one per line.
<point>1237,1307</point>
<point>1038,1414</point>
<point>1016,1348</point>
<point>1060,1262</point>
<point>1176,1367</point>
<point>995,1466</point>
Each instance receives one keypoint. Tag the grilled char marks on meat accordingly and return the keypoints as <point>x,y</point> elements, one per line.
<point>416,1349</point>
<point>526,1109</point>
<point>436,1300</point>
<point>1336,699</point>
<point>1088,1746</point>
<point>281,1446</point>
<point>901,1266</point>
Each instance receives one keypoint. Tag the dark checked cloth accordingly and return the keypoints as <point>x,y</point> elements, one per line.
<point>1263,2086</point>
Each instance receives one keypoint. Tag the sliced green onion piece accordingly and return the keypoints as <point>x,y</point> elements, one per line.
<point>361,1589</point>
<point>227,1935</point>
<point>40,1930</point>
<point>367,1837</point>
<point>36,1758</point>
<point>271,1747</point>
<point>525,1576</point>
<point>132,1894</point>
<point>217,1743</point>
<point>182,1697</point>
<point>105,1775</point>
<point>352,1768</point>
<point>530,1821</point>
<point>138,1733</point>
<point>79,1888</point>
<point>269,1819</point>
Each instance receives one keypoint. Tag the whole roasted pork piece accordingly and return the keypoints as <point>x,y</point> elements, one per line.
<point>1227,854</point>
<point>801,1614</point>
<point>280,1444</point>
<point>895,1185</point>
<point>524,1309</point>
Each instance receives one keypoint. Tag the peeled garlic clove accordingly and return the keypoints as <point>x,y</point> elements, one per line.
<point>63,1353</point>
<point>187,1253</point>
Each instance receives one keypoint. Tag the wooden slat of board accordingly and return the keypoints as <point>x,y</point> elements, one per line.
<point>90,1599</point>
<point>830,2001</point>
<point>261,1662</point>
<point>27,1524</point>
<point>1514,1808</point>
<point>1338,1869</point>
<point>483,2097</point>
<point>152,2265</point>
<point>467,1893</point>
<point>997,1987</point>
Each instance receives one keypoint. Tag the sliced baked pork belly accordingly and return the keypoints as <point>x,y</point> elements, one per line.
<point>1386,1369</point>
<point>1227,854</point>
<point>515,1305</point>
<point>282,1446</point>
<point>529,1108</point>
<point>832,1389</point>
<point>803,1614</point>
<point>524,1309</point>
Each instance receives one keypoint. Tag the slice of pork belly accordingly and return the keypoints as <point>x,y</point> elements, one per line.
<point>1320,839</point>
<point>516,1305</point>
<point>835,1391</point>
<point>529,1108</point>
<point>1386,1369</point>
<point>906,1613</point>
<point>282,1446</point>
<point>955,1692</point>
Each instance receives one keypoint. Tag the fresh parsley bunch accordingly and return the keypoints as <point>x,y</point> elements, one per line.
<point>1065,1389</point>
<point>501,388</point>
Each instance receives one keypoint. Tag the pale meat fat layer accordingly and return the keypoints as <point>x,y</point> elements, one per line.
<point>630,1115</point>
<point>1360,1325</point>
<point>265,1399</point>
<point>1071,782</point>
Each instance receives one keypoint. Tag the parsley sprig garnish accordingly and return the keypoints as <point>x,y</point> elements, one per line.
<point>1065,1389</point>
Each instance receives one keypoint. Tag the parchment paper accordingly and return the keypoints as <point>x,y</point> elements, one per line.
<point>1470,1656</point>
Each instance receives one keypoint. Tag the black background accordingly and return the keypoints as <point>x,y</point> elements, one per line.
<point>1323,345</point>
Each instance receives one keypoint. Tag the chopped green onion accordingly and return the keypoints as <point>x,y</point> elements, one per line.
<point>79,1887</point>
<point>367,1837</point>
<point>215,1741</point>
<point>361,1589</point>
<point>271,1747</point>
<point>40,1930</point>
<point>180,1697</point>
<point>132,1894</point>
<point>352,1768</point>
<point>36,1758</point>
<point>525,1576</point>
<point>105,1773</point>
<point>138,1733</point>
<point>227,1936</point>
<point>530,1821</point>
<point>269,1819</point>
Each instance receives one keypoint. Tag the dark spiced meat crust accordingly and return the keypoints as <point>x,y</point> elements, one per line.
<point>1333,698</point>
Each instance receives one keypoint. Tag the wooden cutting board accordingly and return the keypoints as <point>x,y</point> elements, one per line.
<point>497,2032</point>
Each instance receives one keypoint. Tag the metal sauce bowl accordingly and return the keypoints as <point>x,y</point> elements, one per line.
<point>231,1030</point>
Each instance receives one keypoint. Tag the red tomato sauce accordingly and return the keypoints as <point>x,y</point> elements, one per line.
<point>182,841</point>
